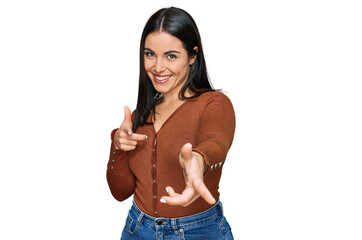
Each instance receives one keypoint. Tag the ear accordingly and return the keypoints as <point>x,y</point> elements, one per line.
<point>193,58</point>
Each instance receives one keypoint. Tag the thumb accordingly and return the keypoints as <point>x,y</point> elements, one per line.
<point>186,151</point>
<point>127,116</point>
<point>127,122</point>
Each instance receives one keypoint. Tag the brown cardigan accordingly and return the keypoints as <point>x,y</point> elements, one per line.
<point>207,122</point>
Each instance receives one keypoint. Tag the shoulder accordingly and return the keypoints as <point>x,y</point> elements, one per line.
<point>213,101</point>
<point>214,96</point>
<point>215,106</point>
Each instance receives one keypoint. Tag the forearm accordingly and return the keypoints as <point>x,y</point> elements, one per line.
<point>121,180</point>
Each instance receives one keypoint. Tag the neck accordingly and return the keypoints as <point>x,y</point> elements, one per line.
<point>172,98</point>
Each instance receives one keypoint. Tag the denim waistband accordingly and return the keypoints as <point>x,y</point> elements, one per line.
<point>176,223</point>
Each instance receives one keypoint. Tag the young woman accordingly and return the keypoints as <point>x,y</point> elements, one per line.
<point>170,152</point>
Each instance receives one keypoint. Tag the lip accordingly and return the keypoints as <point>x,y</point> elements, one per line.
<point>161,78</point>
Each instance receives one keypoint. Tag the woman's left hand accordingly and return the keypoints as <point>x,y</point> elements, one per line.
<point>193,166</point>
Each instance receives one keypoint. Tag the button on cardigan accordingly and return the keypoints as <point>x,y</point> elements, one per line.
<point>207,122</point>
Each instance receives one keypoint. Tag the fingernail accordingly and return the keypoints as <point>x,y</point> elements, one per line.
<point>166,189</point>
<point>146,136</point>
<point>163,200</point>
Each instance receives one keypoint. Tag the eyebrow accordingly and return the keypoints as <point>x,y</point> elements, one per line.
<point>168,52</point>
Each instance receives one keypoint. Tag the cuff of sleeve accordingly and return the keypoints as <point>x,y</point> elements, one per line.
<point>116,161</point>
<point>115,151</point>
<point>212,164</point>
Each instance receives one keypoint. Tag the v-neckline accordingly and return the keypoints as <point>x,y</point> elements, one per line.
<point>169,117</point>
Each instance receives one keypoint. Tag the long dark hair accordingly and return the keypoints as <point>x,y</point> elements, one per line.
<point>180,24</point>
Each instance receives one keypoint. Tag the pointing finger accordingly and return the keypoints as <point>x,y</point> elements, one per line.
<point>200,187</point>
<point>138,137</point>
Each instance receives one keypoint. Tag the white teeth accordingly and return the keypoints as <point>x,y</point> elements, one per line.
<point>162,78</point>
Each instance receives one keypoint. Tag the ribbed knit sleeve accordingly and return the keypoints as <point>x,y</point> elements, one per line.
<point>216,131</point>
<point>121,180</point>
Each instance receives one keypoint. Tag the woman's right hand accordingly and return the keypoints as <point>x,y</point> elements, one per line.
<point>124,138</point>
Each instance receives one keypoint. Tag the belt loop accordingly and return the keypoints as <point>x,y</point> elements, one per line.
<point>174,224</point>
<point>140,217</point>
<point>221,208</point>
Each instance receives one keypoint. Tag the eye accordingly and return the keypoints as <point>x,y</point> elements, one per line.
<point>171,56</point>
<point>149,54</point>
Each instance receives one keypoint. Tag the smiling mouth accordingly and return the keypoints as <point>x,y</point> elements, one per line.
<point>162,78</point>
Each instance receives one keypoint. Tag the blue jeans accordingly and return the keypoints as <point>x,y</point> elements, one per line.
<point>210,224</point>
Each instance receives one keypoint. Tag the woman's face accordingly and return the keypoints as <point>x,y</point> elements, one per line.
<point>166,63</point>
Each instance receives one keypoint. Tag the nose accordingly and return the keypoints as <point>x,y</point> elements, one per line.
<point>159,66</point>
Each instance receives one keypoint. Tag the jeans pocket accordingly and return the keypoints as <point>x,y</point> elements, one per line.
<point>131,224</point>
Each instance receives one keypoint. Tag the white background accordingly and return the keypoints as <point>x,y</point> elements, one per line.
<point>291,68</point>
